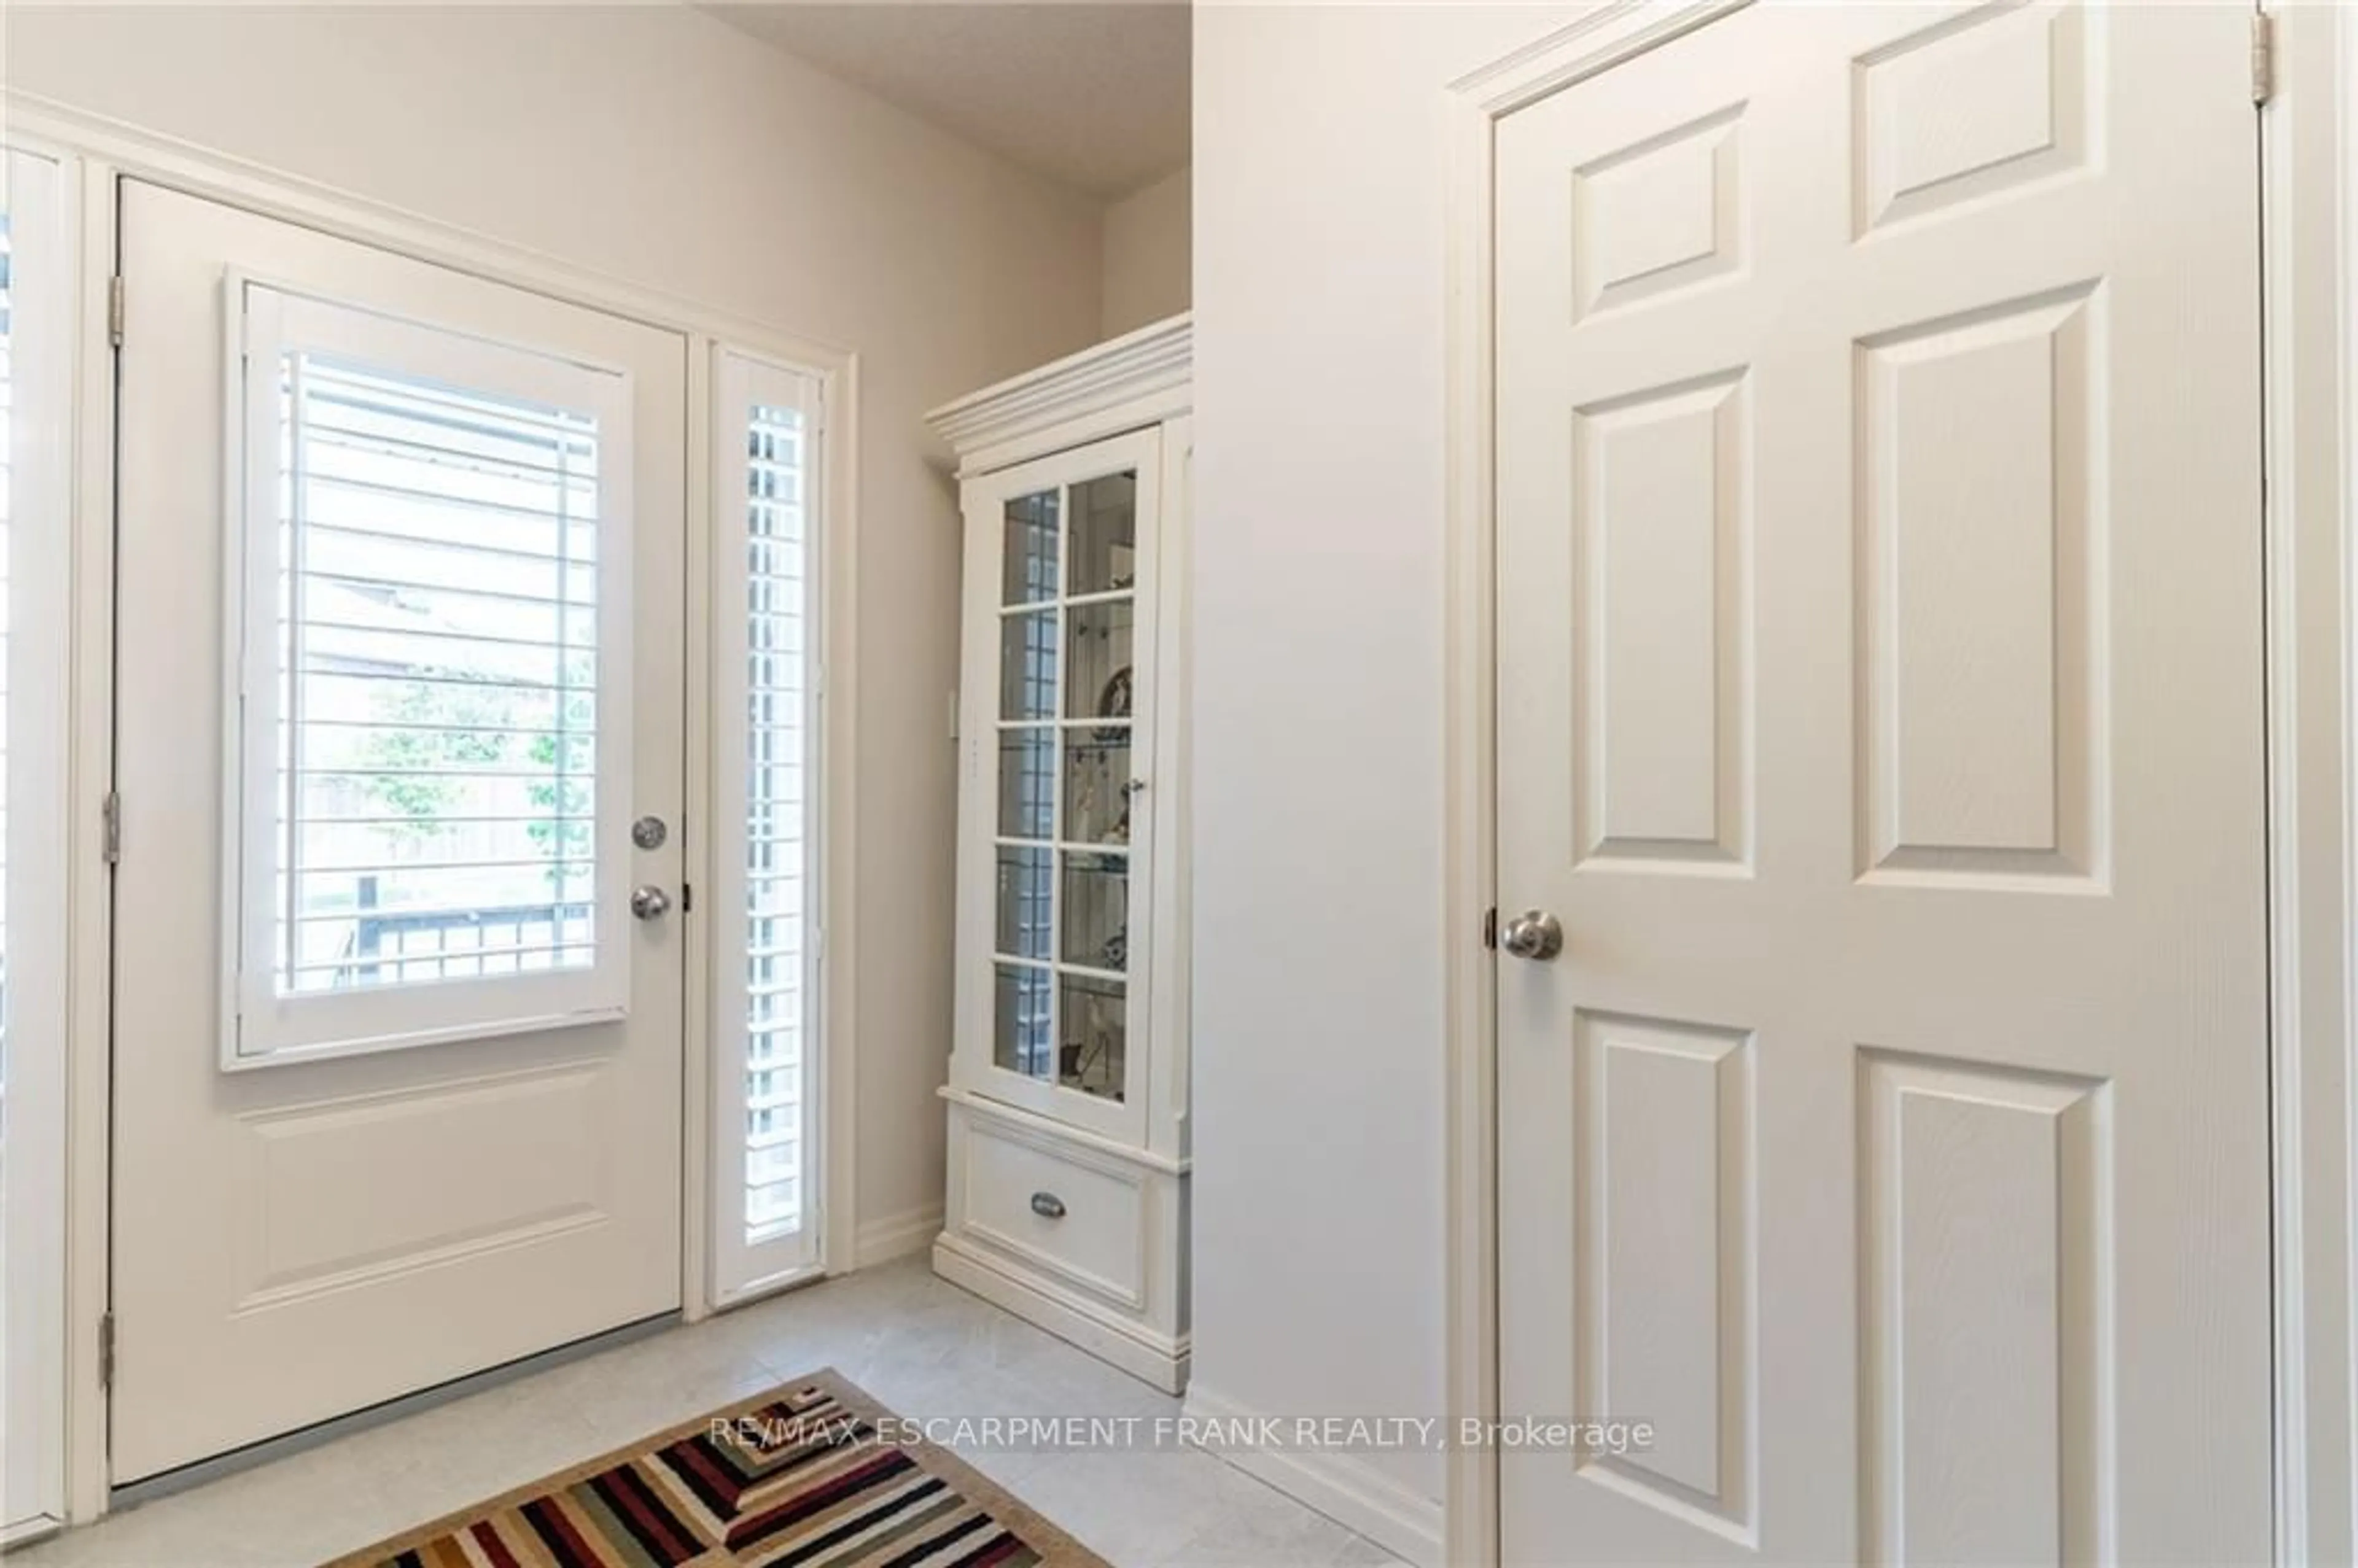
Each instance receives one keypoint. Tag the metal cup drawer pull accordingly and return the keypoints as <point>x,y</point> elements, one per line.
<point>1047,1206</point>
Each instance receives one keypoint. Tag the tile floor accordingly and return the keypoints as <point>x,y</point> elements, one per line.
<point>922,1347</point>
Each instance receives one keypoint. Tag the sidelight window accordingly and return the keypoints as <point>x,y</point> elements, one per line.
<point>768,695</point>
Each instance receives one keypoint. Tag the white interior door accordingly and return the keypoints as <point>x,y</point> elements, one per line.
<point>1879,711</point>
<point>398,1076</point>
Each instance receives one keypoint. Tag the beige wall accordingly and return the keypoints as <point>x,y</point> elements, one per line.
<point>1319,572</point>
<point>1149,264</point>
<point>655,145</point>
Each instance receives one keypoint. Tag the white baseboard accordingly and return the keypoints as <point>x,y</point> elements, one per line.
<point>1343,1486</point>
<point>1134,1349</point>
<point>895,1235</point>
<point>24,1533</point>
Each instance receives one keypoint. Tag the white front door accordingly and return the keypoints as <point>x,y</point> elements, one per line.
<point>1879,712</point>
<point>398,1073</point>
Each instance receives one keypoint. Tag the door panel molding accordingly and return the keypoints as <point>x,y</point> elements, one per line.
<point>2015,1282</point>
<point>1666,1112</point>
<point>2002,780</point>
<point>548,1184</point>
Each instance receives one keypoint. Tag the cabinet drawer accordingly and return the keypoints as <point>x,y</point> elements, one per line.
<point>1077,1221</point>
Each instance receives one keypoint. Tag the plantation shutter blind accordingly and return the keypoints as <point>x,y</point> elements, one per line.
<point>768,694</point>
<point>433,684</point>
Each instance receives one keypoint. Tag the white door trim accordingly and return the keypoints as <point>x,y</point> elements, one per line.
<point>2306,144</point>
<point>2309,147</point>
<point>105,151</point>
<point>44,199</point>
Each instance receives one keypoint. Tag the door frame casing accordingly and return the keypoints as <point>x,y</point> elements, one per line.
<point>101,153</point>
<point>2309,146</point>
<point>45,1151</point>
<point>2309,149</point>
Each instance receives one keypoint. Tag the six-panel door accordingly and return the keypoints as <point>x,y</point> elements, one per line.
<point>1879,710</point>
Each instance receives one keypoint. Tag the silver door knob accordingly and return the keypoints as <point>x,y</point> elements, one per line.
<point>650,903</point>
<point>1534,934</point>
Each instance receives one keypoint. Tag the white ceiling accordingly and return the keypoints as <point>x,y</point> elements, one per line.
<point>1092,93</point>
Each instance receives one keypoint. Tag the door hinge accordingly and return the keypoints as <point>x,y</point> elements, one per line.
<point>1490,928</point>
<point>106,1352</point>
<point>2264,57</point>
<point>111,817</point>
<point>114,310</point>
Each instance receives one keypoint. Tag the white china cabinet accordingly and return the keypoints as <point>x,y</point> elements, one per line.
<point>1068,1097</point>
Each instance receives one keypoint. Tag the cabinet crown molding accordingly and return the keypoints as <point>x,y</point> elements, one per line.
<point>1138,379</point>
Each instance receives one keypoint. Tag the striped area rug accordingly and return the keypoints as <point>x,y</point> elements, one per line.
<point>796,1478</point>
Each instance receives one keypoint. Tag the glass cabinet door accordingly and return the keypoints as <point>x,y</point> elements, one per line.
<point>1062,953</point>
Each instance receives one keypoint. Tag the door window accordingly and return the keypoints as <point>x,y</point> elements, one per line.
<point>424,706</point>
